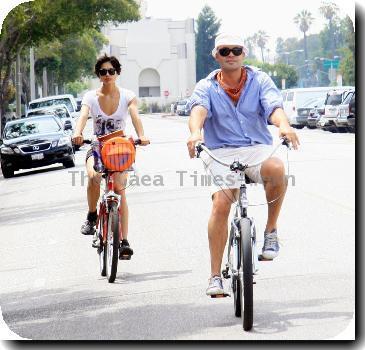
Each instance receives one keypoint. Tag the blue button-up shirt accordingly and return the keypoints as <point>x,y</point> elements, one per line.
<point>246,123</point>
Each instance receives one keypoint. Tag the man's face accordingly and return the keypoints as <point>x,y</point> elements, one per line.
<point>230,62</point>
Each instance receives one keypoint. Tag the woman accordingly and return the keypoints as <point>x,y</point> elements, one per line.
<point>108,106</point>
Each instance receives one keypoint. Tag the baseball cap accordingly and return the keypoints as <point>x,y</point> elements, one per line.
<point>228,39</point>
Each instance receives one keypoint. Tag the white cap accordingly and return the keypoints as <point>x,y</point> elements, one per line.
<point>225,39</point>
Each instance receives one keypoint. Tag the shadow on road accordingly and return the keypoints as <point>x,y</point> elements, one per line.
<point>60,314</point>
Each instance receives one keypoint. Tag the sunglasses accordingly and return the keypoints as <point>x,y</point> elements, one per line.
<point>225,51</point>
<point>103,71</point>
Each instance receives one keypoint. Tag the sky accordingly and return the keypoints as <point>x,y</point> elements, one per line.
<point>246,18</point>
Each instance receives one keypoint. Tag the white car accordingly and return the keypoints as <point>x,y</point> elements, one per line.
<point>67,100</point>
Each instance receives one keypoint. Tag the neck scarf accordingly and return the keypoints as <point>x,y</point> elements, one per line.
<point>233,93</point>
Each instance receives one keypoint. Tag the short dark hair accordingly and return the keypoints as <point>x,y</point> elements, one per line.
<point>112,59</point>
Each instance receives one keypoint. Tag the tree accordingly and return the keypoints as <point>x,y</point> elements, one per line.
<point>250,44</point>
<point>329,11</point>
<point>304,20</point>
<point>37,21</point>
<point>261,39</point>
<point>208,27</point>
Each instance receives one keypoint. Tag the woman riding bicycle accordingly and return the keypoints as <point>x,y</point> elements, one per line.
<point>108,106</point>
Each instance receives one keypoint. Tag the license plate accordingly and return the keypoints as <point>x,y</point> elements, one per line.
<point>37,156</point>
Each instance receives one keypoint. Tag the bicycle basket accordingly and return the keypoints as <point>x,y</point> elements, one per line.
<point>118,154</point>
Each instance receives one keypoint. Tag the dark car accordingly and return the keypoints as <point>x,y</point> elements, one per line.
<point>314,115</point>
<point>34,142</point>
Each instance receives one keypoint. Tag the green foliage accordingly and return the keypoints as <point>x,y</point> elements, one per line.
<point>75,87</point>
<point>208,27</point>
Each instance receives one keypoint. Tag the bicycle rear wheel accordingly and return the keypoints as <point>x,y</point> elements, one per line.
<point>247,277</point>
<point>112,243</point>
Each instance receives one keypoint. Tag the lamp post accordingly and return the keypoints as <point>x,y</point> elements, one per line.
<point>287,53</point>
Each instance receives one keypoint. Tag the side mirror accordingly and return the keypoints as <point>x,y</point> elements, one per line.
<point>78,108</point>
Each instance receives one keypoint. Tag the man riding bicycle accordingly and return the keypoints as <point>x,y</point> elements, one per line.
<point>109,107</point>
<point>234,105</point>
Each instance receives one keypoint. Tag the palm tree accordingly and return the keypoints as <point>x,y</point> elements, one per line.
<point>261,39</point>
<point>304,20</point>
<point>250,43</point>
<point>329,11</point>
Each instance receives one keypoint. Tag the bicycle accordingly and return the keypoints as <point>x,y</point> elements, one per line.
<point>242,258</point>
<point>108,234</point>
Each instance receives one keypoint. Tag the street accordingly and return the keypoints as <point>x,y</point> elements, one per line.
<point>52,288</point>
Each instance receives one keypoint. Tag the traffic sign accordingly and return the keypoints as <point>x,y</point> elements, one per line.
<point>331,64</point>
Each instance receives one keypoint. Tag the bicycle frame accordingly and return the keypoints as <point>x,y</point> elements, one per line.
<point>109,196</point>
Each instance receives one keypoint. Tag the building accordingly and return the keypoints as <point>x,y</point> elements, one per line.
<point>157,57</point>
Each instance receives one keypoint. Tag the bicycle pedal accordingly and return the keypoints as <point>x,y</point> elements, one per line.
<point>125,257</point>
<point>224,295</point>
<point>261,258</point>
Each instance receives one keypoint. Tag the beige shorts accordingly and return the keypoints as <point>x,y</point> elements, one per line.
<point>222,177</point>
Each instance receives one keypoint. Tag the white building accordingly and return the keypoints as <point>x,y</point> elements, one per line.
<point>157,57</point>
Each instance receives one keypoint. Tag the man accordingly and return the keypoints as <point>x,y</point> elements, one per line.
<point>234,106</point>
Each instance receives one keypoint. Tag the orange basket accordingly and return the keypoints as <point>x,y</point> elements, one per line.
<point>118,154</point>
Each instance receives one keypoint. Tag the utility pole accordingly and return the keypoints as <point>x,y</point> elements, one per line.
<point>18,85</point>
<point>32,77</point>
<point>45,85</point>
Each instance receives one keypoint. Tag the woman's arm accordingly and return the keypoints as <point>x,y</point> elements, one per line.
<point>136,121</point>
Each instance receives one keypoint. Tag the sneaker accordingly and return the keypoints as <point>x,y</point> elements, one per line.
<point>215,286</point>
<point>270,250</point>
<point>125,251</point>
<point>88,227</point>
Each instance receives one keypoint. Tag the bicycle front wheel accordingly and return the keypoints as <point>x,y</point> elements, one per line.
<point>247,278</point>
<point>112,243</point>
<point>102,248</point>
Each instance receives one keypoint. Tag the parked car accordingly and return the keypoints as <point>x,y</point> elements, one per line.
<point>346,113</point>
<point>314,115</point>
<point>296,98</point>
<point>33,142</point>
<point>334,98</point>
<point>67,100</point>
<point>301,118</point>
<point>181,108</point>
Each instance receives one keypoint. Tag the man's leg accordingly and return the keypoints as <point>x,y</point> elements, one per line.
<point>275,184</point>
<point>273,176</point>
<point>218,227</point>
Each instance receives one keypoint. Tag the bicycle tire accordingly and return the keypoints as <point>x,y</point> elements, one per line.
<point>236,285</point>
<point>112,243</point>
<point>247,280</point>
<point>101,250</point>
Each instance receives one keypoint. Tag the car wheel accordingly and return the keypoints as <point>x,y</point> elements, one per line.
<point>7,171</point>
<point>69,163</point>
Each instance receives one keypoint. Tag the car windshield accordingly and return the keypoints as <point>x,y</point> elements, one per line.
<point>316,102</point>
<point>304,96</point>
<point>183,102</point>
<point>334,99</point>
<point>348,98</point>
<point>52,102</point>
<point>30,127</point>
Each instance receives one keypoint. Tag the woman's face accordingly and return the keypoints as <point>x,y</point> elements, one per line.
<point>108,78</point>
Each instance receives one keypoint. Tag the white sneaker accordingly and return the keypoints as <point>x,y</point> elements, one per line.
<point>270,250</point>
<point>215,286</point>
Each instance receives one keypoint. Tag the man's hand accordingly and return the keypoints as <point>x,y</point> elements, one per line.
<point>144,141</point>
<point>78,139</point>
<point>288,132</point>
<point>193,139</point>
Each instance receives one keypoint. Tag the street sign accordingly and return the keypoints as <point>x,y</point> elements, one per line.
<point>166,93</point>
<point>331,64</point>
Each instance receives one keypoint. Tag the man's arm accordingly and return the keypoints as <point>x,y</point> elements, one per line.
<point>280,120</point>
<point>196,121</point>
<point>136,121</point>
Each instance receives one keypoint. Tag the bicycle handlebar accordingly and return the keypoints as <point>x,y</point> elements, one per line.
<point>236,165</point>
